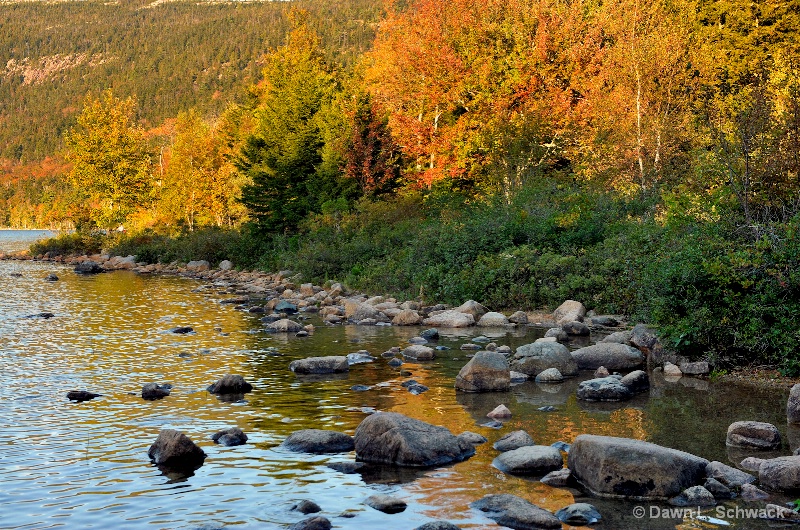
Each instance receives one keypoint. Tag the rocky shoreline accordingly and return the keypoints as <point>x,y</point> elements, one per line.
<point>599,466</point>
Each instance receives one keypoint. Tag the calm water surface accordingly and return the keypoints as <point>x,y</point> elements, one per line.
<point>85,465</point>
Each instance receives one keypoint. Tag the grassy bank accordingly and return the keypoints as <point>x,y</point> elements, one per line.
<point>713,290</point>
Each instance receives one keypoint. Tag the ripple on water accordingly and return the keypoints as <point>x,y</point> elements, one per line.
<point>69,464</point>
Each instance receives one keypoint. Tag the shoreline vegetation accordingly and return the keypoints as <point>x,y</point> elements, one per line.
<point>708,296</point>
<point>518,153</point>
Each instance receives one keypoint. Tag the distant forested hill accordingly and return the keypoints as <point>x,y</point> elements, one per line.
<point>171,55</point>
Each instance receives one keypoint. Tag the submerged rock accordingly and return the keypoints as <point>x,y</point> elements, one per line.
<point>392,438</point>
<point>317,522</point>
<point>318,441</point>
<point>516,512</point>
<point>306,507</point>
<point>579,514</point>
<point>230,437</point>
<point>331,364</point>
<point>81,395</point>
<point>386,503</point>
<point>154,391</point>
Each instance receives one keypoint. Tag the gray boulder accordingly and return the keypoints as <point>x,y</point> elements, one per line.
<point>514,440</point>
<point>230,384</point>
<point>532,359</point>
<point>619,337</point>
<point>493,320</point>
<point>175,449</point>
<point>753,435</point>
<point>644,338</point>
<point>530,460</point>
<point>727,475</point>
<point>551,375</point>
<point>306,507</point>
<point>518,317</point>
<point>557,333</point>
<point>392,438</point>
<point>331,364</point>
<point>609,354</point>
<point>780,474</point>
<point>626,468</point>
<point>515,512</point>
<point>318,441</point>
<point>485,372</point>
<point>569,311</point>
<point>471,307</point>
<point>438,525</point>
<point>637,381</point>
<point>358,311</point>
<point>604,389</point>
<point>450,319</point>
<point>386,503</point>
<point>557,479</point>
<point>198,265</point>
<point>694,496</point>
<point>230,437</point>
<point>579,514</point>
<point>694,368</point>
<point>579,329</point>
<point>418,352</point>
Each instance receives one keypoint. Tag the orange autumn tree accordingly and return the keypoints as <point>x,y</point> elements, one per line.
<point>458,78</point>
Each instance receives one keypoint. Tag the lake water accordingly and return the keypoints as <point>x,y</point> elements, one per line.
<point>85,465</point>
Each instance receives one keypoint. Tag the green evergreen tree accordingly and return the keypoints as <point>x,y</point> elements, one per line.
<point>288,160</point>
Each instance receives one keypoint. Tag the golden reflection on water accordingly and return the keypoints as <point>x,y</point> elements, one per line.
<point>111,335</point>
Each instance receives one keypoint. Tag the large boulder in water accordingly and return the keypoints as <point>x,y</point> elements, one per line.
<point>318,441</point>
<point>392,438</point>
<point>331,364</point>
<point>622,467</point>
<point>754,435</point>
<point>175,449</point>
<point>609,354</point>
<point>515,512</point>
<point>533,359</point>
<point>780,474</point>
<point>486,372</point>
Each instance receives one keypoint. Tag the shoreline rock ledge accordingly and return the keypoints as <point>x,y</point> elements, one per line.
<point>626,468</point>
<point>393,438</point>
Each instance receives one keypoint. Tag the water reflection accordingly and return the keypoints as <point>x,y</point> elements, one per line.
<point>69,464</point>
